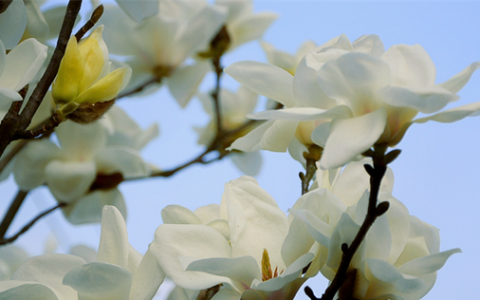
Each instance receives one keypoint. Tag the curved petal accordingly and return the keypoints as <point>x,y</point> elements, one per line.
<point>23,64</point>
<point>81,142</point>
<point>121,159</point>
<point>370,44</point>
<point>26,290</point>
<point>427,264</point>
<point>107,88</point>
<point>250,27</point>
<point>411,66</point>
<point>100,281</point>
<point>88,209</point>
<point>36,24</point>
<point>278,136</point>
<point>264,79</point>
<point>249,163</point>
<point>177,214</point>
<point>114,247</point>
<point>139,10</point>
<point>351,137</point>
<point>173,241</point>
<point>388,273</point>
<point>278,58</point>
<point>147,278</point>
<point>68,181</point>
<point>29,166</point>
<point>457,82</point>
<point>15,18</point>
<point>251,141</point>
<point>49,269</point>
<point>425,99</point>
<point>304,114</point>
<point>454,114</point>
<point>184,81</point>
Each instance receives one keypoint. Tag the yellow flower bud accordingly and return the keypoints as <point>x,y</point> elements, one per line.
<point>84,76</point>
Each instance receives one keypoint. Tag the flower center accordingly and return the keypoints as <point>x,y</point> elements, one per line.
<point>267,272</point>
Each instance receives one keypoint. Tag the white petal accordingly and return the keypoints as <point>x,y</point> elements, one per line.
<point>427,264</point>
<point>121,159</point>
<point>15,18</point>
<point>36,25</point>
<point>68,181</point>
<point>370,44</point>
<point>249,163</point>
<point>411,66</point>
<point>250,27</point>
<point>23,64</point>
<point>81,142</point>
<point>251,141</point>
<point>176,214</point>
<point>303,114</point>
<point>139,9</point>
<point>173,241</point>
<point>184,82</point>
<point>29,167</point>
<point>147,278</point>
<point>119,28</point>
<point>241,269</point>
<point>388,273</point>
<point>457,82</point>
<point>454,114</point>
<point>100,281</point>
<point>18,290</point>
<point>278,136</point>
<point>351,137</point>
<point>88,209</point>
<point>344,232</point>
<point>50,269</point>
<point>425,99</point>
<point>264,79</point>
<point>278,58</point>
<point>114,246</point>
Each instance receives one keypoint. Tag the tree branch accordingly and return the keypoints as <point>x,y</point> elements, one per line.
<point>30,224</point>
<point>312,156</point>
<point>11,212</point>
<point>216,94</point>
<point>13,123</point>
<point>380,161</point>
<point>140,88</point>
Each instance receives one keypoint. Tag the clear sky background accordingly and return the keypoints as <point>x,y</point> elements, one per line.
<point>436,176</point>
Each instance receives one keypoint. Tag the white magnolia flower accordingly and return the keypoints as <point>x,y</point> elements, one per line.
<point>294,92</point>
<point>378,93</point>
<point>159,45</point>
<point>119,272</point>
<point>70,170</point>
<point>398,258</point>
<point>285,60</point>
<point>18,68</point>
<point>250,265</point>
<point>11,257</point>
<point>234,110</point>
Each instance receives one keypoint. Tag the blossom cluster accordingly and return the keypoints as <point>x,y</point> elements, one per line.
<point>338,108</point>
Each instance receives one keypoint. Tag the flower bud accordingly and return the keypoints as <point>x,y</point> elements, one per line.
<point>85,88</point>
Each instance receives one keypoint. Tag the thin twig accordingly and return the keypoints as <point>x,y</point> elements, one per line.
<point>48,126</point>
<point>97,13</point>
<point>11,212</point>
<point>376,174</point>
<point>216,94</point>
<point>311,157</point>
<point>140,88</point>
<point>30,224</point>
<point>12,123</point>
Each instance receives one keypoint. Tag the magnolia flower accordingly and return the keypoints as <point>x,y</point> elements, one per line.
<point>398,258</point>
<point>13,22</point>
<point>250,265</point>
<point>120,272</point>
<point>378,93</point>
<point>11,257</point>
<point>18,68</point>
<point>136,9</point>
<point>159,45</point>
<point>85,88</point>
<point>285,60</point>
<point>234,109</point>
<point>71,170</point>
<point>294,92</point>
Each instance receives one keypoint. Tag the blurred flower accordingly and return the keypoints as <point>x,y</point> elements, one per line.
<point>84,172</point>
<point>136,9</point>
<point>11,257</point>
<point>13,22</point>
<point>234,109</point>
<point>120,272</point>
<point>250,265</point>
<point>400,254</point>
<point>159,45</point>
<point>85,88</point>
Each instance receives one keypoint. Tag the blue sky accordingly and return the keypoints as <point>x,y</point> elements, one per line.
<point>436,174</point>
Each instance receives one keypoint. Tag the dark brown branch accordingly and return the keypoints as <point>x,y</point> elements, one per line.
<point>13,123</point>
<point>30,224</point>
<point>153,80</point>
<point>376,174</point>
<point>11,212</point>
<point>4,4</point>
<point>97,13</point>
<point>44,128</point>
